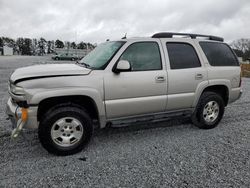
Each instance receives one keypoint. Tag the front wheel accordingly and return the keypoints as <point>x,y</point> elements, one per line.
<point>65,130</point>
<point>209,111</point>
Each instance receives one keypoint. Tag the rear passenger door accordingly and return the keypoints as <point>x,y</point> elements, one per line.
<point>185,73</point>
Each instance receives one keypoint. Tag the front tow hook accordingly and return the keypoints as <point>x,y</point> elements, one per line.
<point>20,123</point>
<point>15,133</point>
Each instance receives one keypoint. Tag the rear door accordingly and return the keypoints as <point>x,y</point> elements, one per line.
<point>185,73</point>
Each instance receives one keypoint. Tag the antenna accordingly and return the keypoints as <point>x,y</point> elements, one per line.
<point>125,36</point>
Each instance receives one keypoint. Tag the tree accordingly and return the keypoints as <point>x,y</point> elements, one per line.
<point>49,47</point>
<point>8,41</point>
<point>241,44</point>
<point>42,45</point>
<point>239,53</point>
<point>24,46</point>
<point>241,48</point>
<point>1,42</point>
<point>59,44</point>
<point>27,47</point>
<point>73,45</point>
<point>67,44</point>
<point>34,46</point>
<point>90,46</point>
<point>82,45</point>
<point>52,45</point>
<point>20,44</point>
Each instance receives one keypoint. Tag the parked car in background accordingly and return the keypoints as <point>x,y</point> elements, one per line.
<point>66,56</point>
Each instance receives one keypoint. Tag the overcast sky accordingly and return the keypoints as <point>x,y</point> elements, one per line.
<point>98,20</point>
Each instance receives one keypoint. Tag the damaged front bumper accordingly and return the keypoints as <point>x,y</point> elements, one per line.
<point>21,117</point>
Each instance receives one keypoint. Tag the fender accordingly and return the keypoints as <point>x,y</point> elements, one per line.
<point>203,85</point>
<point>69,91</point>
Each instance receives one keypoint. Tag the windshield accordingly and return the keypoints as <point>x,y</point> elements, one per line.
<point>101,55</point>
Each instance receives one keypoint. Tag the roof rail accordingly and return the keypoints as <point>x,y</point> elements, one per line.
<point>191,35</point>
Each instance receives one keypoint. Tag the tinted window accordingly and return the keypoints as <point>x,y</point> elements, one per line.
<point>219,54</point>
<point>143,56</point>
<point>182,56</point>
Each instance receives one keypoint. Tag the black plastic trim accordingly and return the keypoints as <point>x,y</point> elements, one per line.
<point>48,76</point>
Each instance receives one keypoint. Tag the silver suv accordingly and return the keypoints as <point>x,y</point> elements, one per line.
<point>125,82</point>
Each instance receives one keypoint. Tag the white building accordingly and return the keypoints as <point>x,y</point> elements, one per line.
<point>5,50</point>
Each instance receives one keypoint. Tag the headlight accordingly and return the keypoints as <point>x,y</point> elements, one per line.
<point>16,90</point>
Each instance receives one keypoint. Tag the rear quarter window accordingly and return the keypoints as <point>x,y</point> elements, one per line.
<point>219,54</point>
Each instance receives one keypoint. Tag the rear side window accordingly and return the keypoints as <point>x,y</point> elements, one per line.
<point>219,54</point>
<point>182,56</point>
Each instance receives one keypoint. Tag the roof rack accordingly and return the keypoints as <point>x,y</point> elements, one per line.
<point>191,35</point>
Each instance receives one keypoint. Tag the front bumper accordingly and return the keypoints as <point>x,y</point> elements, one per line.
<point>14,113</point>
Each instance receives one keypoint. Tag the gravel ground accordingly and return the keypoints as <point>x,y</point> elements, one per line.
<point>168,154</point>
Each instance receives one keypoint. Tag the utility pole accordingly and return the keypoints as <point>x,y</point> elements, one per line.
<point>76,43</point>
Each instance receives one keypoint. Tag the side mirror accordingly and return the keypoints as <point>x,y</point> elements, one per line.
<point>122,66</point>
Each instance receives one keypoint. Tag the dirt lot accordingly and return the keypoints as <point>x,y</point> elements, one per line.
<point>168,154</point>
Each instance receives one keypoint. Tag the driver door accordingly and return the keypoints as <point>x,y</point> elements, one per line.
<point>142,90</point>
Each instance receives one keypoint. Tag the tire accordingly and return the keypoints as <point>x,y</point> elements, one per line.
<point>56,58</point>
<point>209,111</point>
<point>72,59</point>
<point>65,130</point>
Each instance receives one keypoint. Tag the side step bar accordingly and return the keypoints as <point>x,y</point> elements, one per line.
<point>149,118</point>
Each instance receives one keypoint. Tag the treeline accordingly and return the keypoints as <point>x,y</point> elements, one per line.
<point>242,48</point>
<point>27,46</point>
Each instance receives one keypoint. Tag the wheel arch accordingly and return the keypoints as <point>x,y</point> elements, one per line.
<point>81,101</point>
<point>70,93</point>
<point>221,89</point>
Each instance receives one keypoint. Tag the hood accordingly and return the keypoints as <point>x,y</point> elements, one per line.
<point>48,70</point>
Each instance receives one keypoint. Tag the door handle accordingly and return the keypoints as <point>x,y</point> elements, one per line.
<point>159,78</point>
<point>198,76</point>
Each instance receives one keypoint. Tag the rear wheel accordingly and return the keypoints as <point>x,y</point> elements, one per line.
<point>65,130</point>
<point>209,111</point>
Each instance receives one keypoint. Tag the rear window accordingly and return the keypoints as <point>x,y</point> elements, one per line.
<point>219,54</point>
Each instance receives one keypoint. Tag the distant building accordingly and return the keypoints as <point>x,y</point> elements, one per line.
<point>5,50</point>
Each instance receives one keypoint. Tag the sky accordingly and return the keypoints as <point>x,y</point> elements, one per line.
<point>97,20</point>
